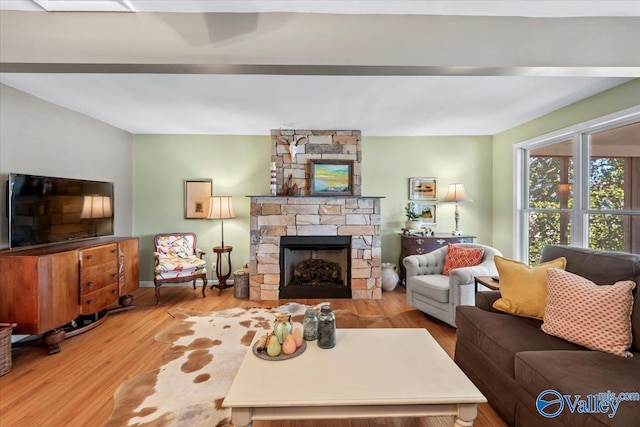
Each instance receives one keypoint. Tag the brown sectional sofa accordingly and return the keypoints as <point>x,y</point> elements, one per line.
<point>512,361</point>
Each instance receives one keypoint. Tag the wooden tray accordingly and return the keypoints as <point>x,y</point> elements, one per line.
<point>281,356</point>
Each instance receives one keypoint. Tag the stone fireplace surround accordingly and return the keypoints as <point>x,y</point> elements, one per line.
<point>272,217</point>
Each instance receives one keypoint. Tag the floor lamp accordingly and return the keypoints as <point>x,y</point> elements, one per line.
<point>457,194</point>
<point>221,207</point>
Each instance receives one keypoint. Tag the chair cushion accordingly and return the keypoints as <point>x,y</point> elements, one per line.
<point>177,245</point>
<point>596,317</point>
<point>432,286</point>
<point>523,290</point>
<point>173,266</point>
<point>458,257</point>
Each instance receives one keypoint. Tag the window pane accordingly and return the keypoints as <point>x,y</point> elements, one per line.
<point>551,176</point>
<point>547,228</point>
<point>614,168</point>
<point>611,232</point>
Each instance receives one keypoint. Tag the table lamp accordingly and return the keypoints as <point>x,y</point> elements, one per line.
<point>457,194</point>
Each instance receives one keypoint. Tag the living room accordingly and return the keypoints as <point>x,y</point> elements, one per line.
<point>149,169</point>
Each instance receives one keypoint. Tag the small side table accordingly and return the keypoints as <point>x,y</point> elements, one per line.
<point>222,278</point>
<point>487,281</point>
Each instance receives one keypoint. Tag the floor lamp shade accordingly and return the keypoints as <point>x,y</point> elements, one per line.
<point>457,194</point>
<point>221,207</point>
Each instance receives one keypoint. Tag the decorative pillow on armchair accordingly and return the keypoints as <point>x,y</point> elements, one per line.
<point>596,317</point>
<point>523,289</point>
<point>459,256</point>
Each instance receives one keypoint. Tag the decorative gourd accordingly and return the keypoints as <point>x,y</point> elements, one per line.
<point>273,346</point>
<point>297,337</point>
<point>289,346</point>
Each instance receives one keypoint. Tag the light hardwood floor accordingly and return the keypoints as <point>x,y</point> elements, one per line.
<point>75,387</point>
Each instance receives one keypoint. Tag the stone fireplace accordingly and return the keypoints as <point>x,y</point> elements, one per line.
<point>298,242</point>
<point>315,267</point>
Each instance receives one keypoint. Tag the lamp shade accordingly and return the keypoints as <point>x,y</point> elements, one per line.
<point>96,207</point>
<point>456,193</point>
<point>221,207</point>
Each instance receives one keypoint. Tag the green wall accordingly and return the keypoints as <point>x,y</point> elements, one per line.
<point>239,166</point>
<point>616,99</point>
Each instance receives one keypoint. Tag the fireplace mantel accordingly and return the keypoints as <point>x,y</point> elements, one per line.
<point>272,217</point>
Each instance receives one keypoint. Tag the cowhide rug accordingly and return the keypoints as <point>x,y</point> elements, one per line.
<point>206,352</point>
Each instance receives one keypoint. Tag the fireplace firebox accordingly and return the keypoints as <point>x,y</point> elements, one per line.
<point>315,267</point>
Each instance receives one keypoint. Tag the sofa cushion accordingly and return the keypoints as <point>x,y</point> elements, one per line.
<point>596,317</point>
<point>458,257</point>
<point>583,373</point>
<point>602,267</point>
<point>432,286</point>
<point>523,289</point>
<point>502,335</point>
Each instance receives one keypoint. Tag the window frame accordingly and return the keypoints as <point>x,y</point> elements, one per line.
<point>579,134</point>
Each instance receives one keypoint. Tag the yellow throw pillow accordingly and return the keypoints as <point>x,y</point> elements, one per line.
<point>523,289</point>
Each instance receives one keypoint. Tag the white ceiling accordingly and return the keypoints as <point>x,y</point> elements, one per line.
<point>531,8</point>
<point>253,105</point>
<point>433,103</point>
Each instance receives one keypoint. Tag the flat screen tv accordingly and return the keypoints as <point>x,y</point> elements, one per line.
<point>44,210</point>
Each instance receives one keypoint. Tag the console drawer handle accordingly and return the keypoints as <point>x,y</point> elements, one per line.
<point>420,251</point>
<point>114,275</point>
<point>113,251</point>
<point>90,284</point>
<point>89,301</point>
<point>89,256</point>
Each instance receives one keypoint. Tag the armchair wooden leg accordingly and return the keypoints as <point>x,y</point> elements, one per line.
<point>204,286</point>
<point>157,294</point>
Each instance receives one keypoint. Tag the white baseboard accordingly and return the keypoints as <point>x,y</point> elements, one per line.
<point>149,284</point>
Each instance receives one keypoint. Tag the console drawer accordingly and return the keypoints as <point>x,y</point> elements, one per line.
<point>100,299</point>
<point>98,255</point>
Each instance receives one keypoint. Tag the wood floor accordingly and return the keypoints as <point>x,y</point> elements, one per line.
<point>75,387</point>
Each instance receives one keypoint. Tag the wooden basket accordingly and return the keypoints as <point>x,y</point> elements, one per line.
<point>5,347</point>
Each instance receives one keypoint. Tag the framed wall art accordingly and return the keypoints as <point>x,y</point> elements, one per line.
<point>423,188</point>
<point>196,198</point>
<point>426,212</point>
<point>331,177</point>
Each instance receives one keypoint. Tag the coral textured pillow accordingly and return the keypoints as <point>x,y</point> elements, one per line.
<point>458,257</point>
<point>596,317</point>
<point>523,290</point>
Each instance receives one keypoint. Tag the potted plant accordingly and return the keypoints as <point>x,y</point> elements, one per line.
<point>413,219</point>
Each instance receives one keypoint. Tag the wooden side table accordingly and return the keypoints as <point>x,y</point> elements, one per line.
<point>222,278</point>
<point>487,281</point>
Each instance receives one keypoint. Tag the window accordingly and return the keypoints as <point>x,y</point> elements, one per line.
<point>580,188</point>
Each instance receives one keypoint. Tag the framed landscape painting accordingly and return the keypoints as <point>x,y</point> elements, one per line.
<point>423,188</point>
<point>331,177</point>
<point>426,212</point>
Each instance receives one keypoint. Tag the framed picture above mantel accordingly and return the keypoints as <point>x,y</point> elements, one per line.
<point>330,177</point>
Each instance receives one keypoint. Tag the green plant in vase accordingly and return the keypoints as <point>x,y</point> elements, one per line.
<point>413,218</point>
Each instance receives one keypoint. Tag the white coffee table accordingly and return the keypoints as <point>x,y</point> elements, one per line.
<point>370,373</point>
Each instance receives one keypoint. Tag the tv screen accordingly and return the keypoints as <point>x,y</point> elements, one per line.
<point>45,209</point>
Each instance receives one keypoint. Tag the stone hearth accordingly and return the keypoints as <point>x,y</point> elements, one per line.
<point>274,217</point>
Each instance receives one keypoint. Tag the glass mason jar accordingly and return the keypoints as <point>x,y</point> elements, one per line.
<point>326,328</point>
<point>310,325</point>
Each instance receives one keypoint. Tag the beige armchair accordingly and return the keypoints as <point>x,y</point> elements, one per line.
<point>437,295</point>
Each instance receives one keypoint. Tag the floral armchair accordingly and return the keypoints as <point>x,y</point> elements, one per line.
<point>177,260</point>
